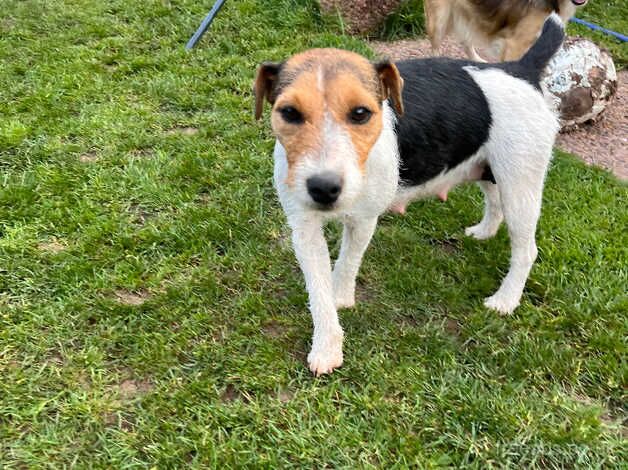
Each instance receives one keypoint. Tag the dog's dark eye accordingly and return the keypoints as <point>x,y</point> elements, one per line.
<point>291,115</point>
<point>360,115</point>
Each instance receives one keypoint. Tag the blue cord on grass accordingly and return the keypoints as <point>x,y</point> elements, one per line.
<point>204,25</point>
<point>595,27</point>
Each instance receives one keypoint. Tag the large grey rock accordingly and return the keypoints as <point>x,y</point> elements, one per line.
<point>581,80</point>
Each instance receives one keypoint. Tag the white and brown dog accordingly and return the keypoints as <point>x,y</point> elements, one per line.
<point>346,148</point>
<point>510,26</point>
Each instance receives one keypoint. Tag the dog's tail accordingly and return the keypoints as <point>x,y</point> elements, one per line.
<point>536,59</point>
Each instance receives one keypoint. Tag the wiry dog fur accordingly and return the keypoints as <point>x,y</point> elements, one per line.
<point>510,26</point>
<point>356,138</point>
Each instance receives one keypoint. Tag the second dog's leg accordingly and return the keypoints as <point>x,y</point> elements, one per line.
<point>523,38</point>
<point>513,50</point>
<point>355,239</point>
<point>437,19</point>
<point>311,250</point>
<point>493,215</point>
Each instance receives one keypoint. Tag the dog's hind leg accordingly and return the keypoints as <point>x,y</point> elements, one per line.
<point>521,205</point>
<point>493,215</point>
<point>355,239</point>
<point>518,152</point>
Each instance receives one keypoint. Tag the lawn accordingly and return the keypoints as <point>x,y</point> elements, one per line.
<point>152,312</point>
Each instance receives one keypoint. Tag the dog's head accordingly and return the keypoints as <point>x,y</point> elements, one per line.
<point>327,113</point>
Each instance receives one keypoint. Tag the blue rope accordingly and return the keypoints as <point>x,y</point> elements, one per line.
<point>595,27</point>
<point>204,25</point>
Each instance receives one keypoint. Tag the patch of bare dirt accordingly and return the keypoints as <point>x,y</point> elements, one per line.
<point>448,245</point>
<point>612,419</point>
<point>232,394</point>
<point>603,143</point>
<point>415,49</point>
<point>55,359</point>
<point>284,396</point>
<point>613,422</point>
<point>363,293</point>
<point>7,24</point>
<point>84,381</point>
<point>118,420</point>
<point>220,335</point>
<point>360,16</point>
<point>274,329</point>
<point>142,153</point>
<point>299,353</point>
<point>408,320</point>
<point>140,214</point>
<point>111,67</point>
<point>89,157</point>
<point>136,298</point>
<point>130,388</point>
<point>52,246</point>
<point>182,130</point>
<point>452,327</point>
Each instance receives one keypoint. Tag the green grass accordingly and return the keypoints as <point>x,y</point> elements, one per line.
<point>151,310</point>
<point>408,21</point>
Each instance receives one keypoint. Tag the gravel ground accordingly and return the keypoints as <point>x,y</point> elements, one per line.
<point>603,143</point>
<point>360,16</point>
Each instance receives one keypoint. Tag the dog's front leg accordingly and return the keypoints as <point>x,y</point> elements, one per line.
<point>355,239</point>
<point>311,251</point>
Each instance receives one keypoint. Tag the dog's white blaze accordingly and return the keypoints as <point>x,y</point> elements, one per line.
<point>320,80</point>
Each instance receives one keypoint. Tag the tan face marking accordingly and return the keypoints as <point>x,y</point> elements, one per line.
<point>346,94</point>
<point>323,85</point>
<point>304,138</point>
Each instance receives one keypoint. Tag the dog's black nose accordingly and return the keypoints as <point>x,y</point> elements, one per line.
<point>324,188</point>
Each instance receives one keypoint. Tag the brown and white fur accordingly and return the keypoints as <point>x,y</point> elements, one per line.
<point>342,153</point>
<point>510,26</point>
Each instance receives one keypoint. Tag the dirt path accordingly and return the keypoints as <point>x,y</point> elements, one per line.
<point>604,143</point>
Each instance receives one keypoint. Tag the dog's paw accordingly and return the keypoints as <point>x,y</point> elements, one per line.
<point>324,361</point>
<point>502,303</point>
<point>480,231</point>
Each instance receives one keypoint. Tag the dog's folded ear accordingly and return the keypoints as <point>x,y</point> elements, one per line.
<point>391,83</point>
<point>266,79</point>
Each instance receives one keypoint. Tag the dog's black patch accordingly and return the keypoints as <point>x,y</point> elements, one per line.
<point>447,118</point>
